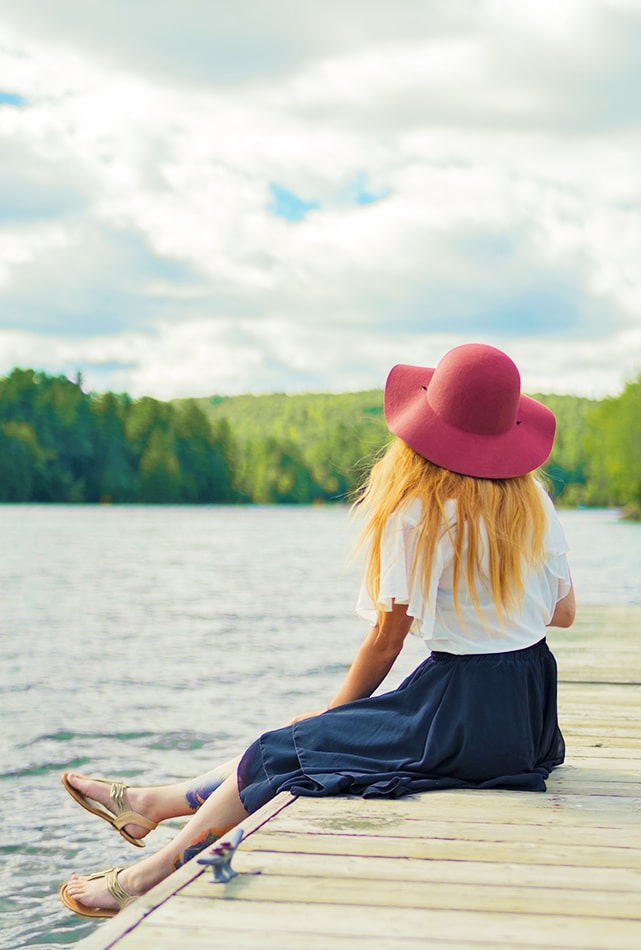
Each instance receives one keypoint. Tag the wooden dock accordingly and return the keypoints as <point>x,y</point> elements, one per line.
<point>451,869</point>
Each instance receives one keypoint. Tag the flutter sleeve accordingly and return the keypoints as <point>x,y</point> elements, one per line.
<point>397,584</point>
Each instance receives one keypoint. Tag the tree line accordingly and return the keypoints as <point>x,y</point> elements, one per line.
<point>59,443</point>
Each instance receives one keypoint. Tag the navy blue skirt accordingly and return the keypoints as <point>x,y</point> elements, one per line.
<point>475,721</point>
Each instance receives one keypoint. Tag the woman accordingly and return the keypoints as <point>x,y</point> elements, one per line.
<point>465,551</point>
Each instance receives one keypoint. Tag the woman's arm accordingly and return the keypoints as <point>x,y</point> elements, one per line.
<point>375,656</point>
<point>565,610</point>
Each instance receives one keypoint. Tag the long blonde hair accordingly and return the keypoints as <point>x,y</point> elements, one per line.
<point>506,515</point>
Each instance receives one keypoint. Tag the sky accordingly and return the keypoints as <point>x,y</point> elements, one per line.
<point>200,197</point>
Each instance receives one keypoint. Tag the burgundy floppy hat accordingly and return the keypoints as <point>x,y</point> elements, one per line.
<point>468,414</point>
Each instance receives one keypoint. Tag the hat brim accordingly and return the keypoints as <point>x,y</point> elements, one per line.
<point>521,449</point>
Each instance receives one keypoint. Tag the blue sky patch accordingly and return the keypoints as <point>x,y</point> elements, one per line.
<point>285,204</point>
<point>360,191</point>
<point>12,99</point>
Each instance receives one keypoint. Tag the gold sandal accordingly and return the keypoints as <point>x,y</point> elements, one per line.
<point>114,887</point>
<point>123,815</point>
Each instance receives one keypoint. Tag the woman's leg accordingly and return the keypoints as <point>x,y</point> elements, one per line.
<point>161,801</point>
<point>198,790</point>
<point>221,811</point>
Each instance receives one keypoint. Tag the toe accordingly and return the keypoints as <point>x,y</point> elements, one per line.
<point>74,780</point>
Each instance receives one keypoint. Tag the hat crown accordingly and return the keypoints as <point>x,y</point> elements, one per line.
<point>468,414</point>
<point>477,389</point>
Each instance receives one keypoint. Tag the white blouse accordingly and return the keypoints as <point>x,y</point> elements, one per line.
<point>436,619</point>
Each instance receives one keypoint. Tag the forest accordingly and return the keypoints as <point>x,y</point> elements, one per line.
<point>59,443</point>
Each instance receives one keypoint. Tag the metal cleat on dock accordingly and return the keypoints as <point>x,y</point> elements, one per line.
<point>219,858</point>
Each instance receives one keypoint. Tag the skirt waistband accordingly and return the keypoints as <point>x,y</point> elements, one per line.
<point>524,653</point>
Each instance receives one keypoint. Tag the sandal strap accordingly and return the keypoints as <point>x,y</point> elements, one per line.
<point>118,792</point>
<point>98,874</point>
<point>115,888</point>
<point>133,818</point>
<point>123,812</point>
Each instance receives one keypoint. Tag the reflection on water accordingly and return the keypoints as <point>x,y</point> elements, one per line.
<point>149,643</point>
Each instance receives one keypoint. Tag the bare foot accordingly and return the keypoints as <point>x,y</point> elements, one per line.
<point>136,798</point>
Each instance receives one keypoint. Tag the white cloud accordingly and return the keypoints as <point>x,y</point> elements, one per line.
<point>136,192</point>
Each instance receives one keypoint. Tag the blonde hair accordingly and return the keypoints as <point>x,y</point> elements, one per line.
<point>505,515</point>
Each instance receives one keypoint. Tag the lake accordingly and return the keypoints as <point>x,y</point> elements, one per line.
<point>148,643</point>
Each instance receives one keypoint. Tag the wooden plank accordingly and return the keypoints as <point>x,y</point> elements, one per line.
<point>592,767</point>
<point>165,937</point>
<point>593,740</point>
<point>452,850</point>
<point>587,672</point>
<point>515,806</point>
<point>546,811</point>
<point>293,887</point>
<point>575,707</point>
<point>581,756</point>
<point>365,867</point>
<point>610,714</point>
<point>564,835</point>
<point>331,920</point>
<point>605,715</point>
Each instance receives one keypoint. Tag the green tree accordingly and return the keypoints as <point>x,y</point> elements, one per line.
<point>20,459</point>
<point>205,476</point>
<point>113,475</point>
<point>160,476</point>
<point>58,413</point>
<point>566,467</point>
<point>613,449</point>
